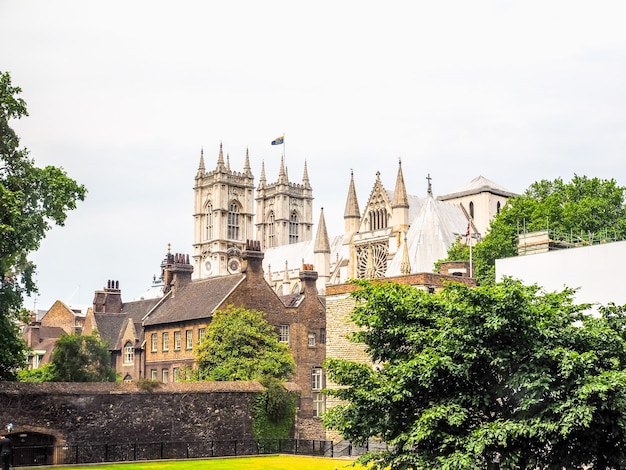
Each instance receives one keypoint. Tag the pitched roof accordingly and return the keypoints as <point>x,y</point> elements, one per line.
<point>194,301</point>
<point>479,184</point>
<point>433,230</point>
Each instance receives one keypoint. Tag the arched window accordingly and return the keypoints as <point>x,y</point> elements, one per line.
<point>498,207</point>
<point>129,353</point>
<point>378,219</point>
<point>293,228</point>
<point>471,209</point>
<point>208,222</point>
<point>233,221</point>
<point>271,230</point>
<point>128,378</point>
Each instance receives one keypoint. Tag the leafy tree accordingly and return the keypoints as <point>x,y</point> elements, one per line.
<point>241,345</point>
<point>31,198</point>
<point>500,376</point>
<point>45,373</point>
<point>584,207</point>
<point>82,358</point>
<point>458,251</point>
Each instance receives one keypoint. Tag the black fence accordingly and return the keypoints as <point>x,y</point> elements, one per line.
<point>128,452</point>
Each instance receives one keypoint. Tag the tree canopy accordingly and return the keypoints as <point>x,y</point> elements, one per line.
<point>31,199</point>
<point>584,207</point>
<point>81,358</point>
<point>241,345</point>
<point>500,376</point>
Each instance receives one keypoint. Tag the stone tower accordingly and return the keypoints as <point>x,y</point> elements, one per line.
<point>284,210</point>
<point>223,217</point>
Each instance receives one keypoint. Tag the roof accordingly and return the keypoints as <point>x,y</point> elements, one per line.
<point>435,228</point>
<point>194,301</point>
<point>478,185</point>
<point>297,253</point>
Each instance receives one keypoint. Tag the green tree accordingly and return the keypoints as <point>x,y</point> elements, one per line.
<point>500,376</point>
<point>241,345</point>
<point>584,207</point>
<point>31,199</point>
<point>81,358</point>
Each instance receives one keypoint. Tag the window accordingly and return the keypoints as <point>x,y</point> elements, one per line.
<point>129,353</point>
<point>155,342</point>
<point>319,404</point>
<point>189,339</point>
<point>176,374</point>
<point>128,378</point>
<point>166,341</point>
<point>165,376</point>
<point>283,334</point>
<point>472,209</point>
<point>311,340</point>
<point>293,228</point>
<point>208,222</point>
<point>201,334</point>
<point>177,341</point>
<point>498,206</point>
<point>271,230</point>
<point>233,222</point>
<point>322,335</point>
<point>378,219</point>
<point>316,378</point>
<point>153,374</point>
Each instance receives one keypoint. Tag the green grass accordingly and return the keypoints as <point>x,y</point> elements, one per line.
<point>273,462</point>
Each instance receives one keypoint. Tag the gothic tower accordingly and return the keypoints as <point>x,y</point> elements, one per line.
<point>284,210</point>
<point>223,217</point>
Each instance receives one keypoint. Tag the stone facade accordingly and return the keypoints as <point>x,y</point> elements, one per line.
<point>121,413</point>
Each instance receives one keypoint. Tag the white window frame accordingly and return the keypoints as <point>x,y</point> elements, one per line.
<point>311,340</point>
<point>177,340</point>
<point>189,338</point>
<point>201,334</point>
<point>166,341</point>
<point>129,353</point>
<point>165,375</point>
<point>283,334</point>
<point>153,374</point>
<point>155,342</point>
<point>317,379</point>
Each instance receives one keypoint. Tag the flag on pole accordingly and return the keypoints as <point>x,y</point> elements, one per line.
<point>467,235</point>
<point>279,140</point>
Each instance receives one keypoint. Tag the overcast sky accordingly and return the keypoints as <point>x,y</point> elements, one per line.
<point>124,94</point>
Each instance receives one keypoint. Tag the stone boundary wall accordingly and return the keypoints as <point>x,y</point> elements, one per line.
<point>124,412</point>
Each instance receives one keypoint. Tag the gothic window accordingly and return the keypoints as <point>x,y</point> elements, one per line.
<point>471,209</point>
<point>233,221</point>
<point>208,222</point>
<point>498,207</point>
<point>293,228</point>
<point>372,260</point>
<point>271,230</point>
<point>129,353</point>
<point>377,219</point>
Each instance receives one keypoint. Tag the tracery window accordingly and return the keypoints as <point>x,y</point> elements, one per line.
<point>233,221</point>
<point>377,218</point>
<point>271,230</point>
<point>372,260</point>
<point>293,228</point>
<point>208,222</point>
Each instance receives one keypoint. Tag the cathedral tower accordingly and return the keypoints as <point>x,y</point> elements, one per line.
<point>223,217</point>
<point>284,210</point>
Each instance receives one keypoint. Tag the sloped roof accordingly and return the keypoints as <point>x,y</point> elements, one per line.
<point>196,300</point>
<point>478,185</point>
<point>109,326</point>
<point>435,228</point>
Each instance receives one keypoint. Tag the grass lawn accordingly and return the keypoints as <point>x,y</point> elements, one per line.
<point>273,462</point>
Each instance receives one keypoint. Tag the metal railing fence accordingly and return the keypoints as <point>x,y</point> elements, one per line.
<point>127,452</point>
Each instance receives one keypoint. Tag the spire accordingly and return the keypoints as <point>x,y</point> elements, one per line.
<point>352,203</point>
<point>227,162</point>
<point>305,177</point>
<point>246,165</point>
<point>282,175</point>
<point>262,179</point>
<point>405,263</point>
<point>220,160</point>
<point>400,198</point>
<point>286,281</point>
<point>322,244</point>
<point>430,186</point>
<point>201,168</point>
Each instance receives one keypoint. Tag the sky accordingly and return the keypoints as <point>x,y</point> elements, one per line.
<point>123,95</point>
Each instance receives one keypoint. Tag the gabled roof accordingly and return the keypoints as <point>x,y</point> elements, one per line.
<point>480,184</point>
<point>194,301</point>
